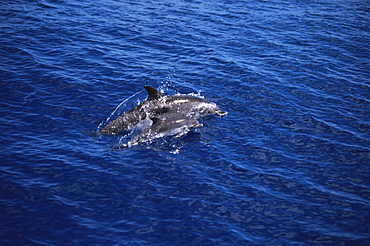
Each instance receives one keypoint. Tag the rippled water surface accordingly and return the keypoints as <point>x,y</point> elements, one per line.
<point>289,164</point>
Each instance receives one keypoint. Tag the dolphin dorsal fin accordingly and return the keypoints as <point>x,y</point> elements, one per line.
<point>153,93</point>
<point>156,120</point>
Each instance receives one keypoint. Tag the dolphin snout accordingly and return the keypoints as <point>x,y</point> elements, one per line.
<point>221,113</point>
<point>198,125</point>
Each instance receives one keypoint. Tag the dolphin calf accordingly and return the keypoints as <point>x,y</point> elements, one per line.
<point>161,106</point>
<point>168,127</point>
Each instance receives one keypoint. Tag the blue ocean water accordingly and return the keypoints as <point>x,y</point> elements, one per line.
<point>288,165</point>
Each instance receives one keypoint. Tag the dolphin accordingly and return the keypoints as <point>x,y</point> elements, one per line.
<point>168,127</point>
<point>161,106</point>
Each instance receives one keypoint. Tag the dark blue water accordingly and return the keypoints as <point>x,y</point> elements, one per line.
<point>289,164</point>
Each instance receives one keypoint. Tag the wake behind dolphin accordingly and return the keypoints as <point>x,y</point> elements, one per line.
<point>162,107</point>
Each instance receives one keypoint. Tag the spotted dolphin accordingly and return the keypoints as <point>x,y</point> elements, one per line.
<point>161,106</point>
<point>161,128</point>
